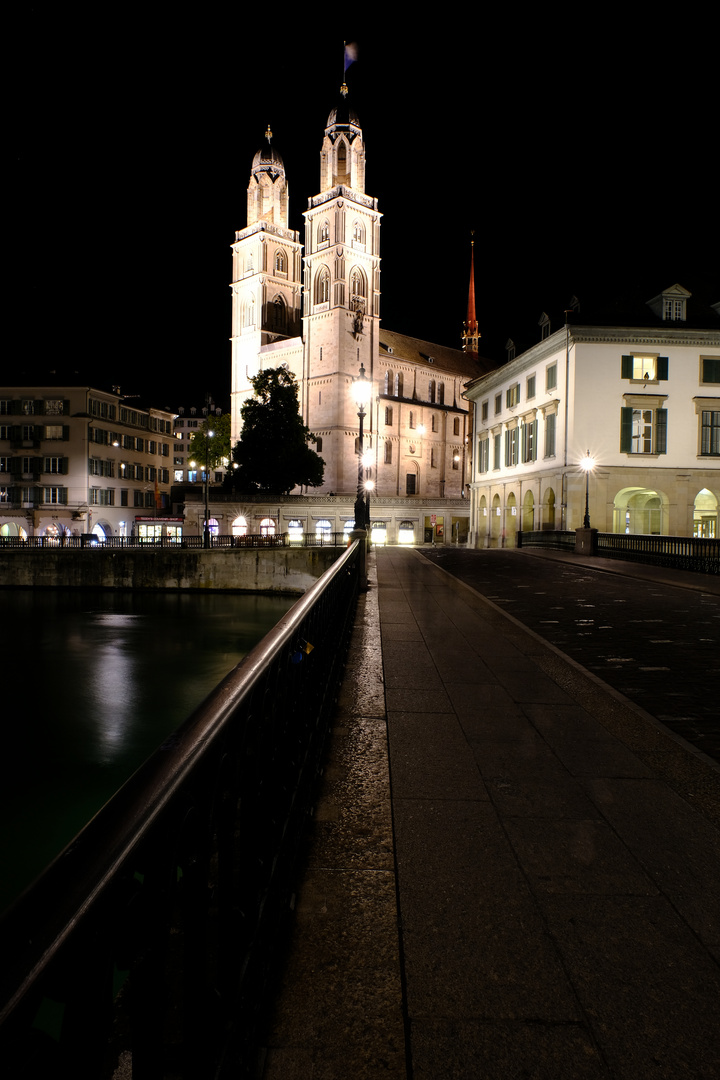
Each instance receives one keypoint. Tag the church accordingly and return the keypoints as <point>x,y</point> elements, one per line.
<point>316,309</point>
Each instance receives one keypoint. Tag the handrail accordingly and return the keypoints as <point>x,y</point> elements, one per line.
<point>184,878</point>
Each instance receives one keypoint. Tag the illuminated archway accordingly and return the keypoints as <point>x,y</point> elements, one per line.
<point>239,526</point>
<point>528,512</point>
<point>640,511</point>
<point>705,515</point>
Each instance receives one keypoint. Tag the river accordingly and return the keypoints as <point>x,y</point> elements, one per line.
<point>92,682</point>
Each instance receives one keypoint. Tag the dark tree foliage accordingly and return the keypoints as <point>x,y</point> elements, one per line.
<point>272,454</point>
<point>217,446</point>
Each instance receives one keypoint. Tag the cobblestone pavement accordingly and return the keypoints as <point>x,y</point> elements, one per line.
<point>656,643</point>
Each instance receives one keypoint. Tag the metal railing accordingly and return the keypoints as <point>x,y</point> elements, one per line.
<point>324,539</point>
<point>154,931</point>
<point>681,552</point>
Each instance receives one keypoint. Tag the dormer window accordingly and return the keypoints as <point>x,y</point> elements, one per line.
<point>671,304</point>
<point>510,349</point>
<point>544,324</point>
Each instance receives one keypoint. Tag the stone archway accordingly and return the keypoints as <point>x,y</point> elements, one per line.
<point>548,511</point>
<point>641,511</point>
<point>528,512</point>
<point>511,520</point>
<point>496,521</point>
<point>705,515</point>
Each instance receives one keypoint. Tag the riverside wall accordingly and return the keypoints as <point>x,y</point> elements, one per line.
<point>277,570</point>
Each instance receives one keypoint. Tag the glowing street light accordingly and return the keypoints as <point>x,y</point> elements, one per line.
<point>361,391</point>
<point>588,464</point>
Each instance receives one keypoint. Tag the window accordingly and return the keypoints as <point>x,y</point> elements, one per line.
<point>644,368</point>
<point>550,423</point>
<point>178,476</point>
<point>5,464</point>
<point>54,465</point>
<point>433,458</point>
<point>358,233</point>
<point>498,403</point>
<point>455,459</point>
<point>431,392</point>
<point>410,483</point>
<point>673,310</point>
<point>484,410</point>
<point>101,497</point>
<point>388,382</point>
<point>322,286</point>
<point>388,452</point>
<point>318,444</point>
<point>358,288</point>
<point>411,420</point>
<point>399,385</point>
<point>710,433</point>
<point>280,262</point>
<point>456,426</point>
<point>441,393</point>
<point>529,440</point>
<point>483,455</point>
<point>710,369</point>
<point>512,395</point>
<point>433,422</point>
<point>388,416</point>
<point>643,430</point>
<point>55,407</point>
<point>512,439</point>
<point>54,495</point>
<point>551,377</point>
<point>497,451</point>
<point>324,233</point>
<point>530,391</point>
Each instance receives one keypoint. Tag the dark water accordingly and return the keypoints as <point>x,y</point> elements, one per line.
<point>91,683</point>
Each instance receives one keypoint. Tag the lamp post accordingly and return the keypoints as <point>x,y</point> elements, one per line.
<point>588,465</point>
<point>361,391</point>
<point>206,530</point>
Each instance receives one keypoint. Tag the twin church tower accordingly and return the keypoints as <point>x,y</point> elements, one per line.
<point>320,316</point>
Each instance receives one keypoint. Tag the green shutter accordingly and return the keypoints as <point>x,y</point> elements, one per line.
<point>64,465</point>
<point>523,443</point>
<point>662,367</point>
<point>626,369</point>
<point>661,431</point>
<point>626,430</point>
<point>533,455</point>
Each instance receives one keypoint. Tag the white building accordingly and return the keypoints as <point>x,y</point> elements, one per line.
<point>642,400</point>
<point>320,315</point>
<point>76,460</point>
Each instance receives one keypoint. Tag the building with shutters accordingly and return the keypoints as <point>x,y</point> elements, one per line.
<point>75,460</point>
<point>639,394</point>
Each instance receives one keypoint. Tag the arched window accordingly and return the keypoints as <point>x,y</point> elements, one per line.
<point>456,426</point>
<point>323,531</point>
<point>431,392</point>
<point>324,233</point>
<point>342,162</point>
<point>388,382</point>
<point>358,233</point>
<point>358,286</point>
<point>249,312</point>
<point>399,385</point>
<point>441,393</point>
<point>411,420</point>
<point>322,286</point>
<point>239,526</point>
<point>280,262</point>
<point>267,527</point>
<point>278,314</point>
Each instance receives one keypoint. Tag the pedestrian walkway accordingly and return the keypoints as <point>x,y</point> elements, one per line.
<point>513,873</point>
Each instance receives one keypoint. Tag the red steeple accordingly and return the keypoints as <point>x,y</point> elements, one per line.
<point>471,333</point>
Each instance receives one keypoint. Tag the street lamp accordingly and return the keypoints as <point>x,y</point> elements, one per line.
<point>361,390</point>
<point>206,530</point>
<point>588,464</point>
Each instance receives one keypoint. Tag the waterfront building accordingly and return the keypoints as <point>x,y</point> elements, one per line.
<point>319,314</point>
<point>638,393</point>
<point>76,460</point>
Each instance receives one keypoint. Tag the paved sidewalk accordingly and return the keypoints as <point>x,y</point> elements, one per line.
<point>555,907</point>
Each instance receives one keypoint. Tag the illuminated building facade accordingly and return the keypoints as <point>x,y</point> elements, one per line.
<point>75,460</point>
<point>642,400</point>
<point>320,315</point>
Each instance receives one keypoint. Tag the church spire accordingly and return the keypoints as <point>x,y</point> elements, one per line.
<point>471,334</point>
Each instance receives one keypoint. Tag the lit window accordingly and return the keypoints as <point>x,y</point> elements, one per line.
<point>644,368</point>
<point>529,440</point>
<point>398,385</point>
<point>512,395</point>
<point>673,310</point>
<point>512,440</point>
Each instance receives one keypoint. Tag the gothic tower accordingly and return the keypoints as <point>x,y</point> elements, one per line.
<point>341,314</point>
<point>266,285</point>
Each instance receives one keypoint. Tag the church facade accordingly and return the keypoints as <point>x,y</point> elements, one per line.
<point>315,307</point>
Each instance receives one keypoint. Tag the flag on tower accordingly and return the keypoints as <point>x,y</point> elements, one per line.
<point>351,54</point>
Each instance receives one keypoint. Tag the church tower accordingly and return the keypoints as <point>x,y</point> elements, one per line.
<point>471,331</point>
<point>341,315</point>
<point>266,285</point>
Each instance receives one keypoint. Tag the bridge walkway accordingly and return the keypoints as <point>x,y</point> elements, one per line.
<point>513,871</point>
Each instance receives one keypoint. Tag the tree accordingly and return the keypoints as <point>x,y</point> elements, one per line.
<point>272,454</point>
<point>218,445</point>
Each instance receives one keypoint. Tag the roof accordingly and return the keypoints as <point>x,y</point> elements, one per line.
<point>416,351</point>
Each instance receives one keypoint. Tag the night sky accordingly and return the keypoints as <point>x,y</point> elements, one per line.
<point>583,157</point>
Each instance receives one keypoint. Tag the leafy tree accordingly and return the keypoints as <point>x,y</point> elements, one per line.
<point>218,445</point>
<point>272,454</point>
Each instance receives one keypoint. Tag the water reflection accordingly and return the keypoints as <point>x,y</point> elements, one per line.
<point>100,680</point>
